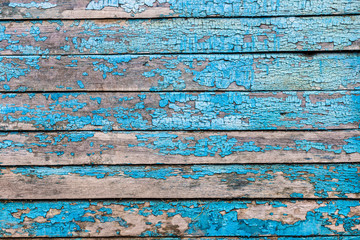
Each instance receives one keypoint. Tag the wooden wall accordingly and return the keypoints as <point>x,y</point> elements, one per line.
<point>206,119</point>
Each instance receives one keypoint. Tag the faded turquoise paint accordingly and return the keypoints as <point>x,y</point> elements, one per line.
<point>339,180</point>
<point>181,72</point>
<point>205,218</point>
<point>227,35</point>
<point>230,8</point>
<point>181,111</point>
<point>20,9</point>
<point>172,144</point>
<point>42,4</point>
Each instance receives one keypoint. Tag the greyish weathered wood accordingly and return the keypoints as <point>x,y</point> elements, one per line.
<point>180,35</point>
<point>182,218</point>
<point>180,72</point>
<point>59,9</point>
<point>181,181</point>
<point>181,111</point>
<point>77,148</point>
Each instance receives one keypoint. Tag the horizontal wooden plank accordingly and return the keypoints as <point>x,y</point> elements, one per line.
<point>180,72</point>
<point>181,181</point>
<point>220,238</point>
<point>180,111</point>
<point>58,9</point>
<point>180,218</point>
<point>216,35</point>
<point>77,148</point>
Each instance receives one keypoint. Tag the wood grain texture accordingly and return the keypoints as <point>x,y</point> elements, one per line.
<point>181,218</point>
<point>216,35</point>
<point>180,72</point>
<point>58,9</point>
<point>180,111</point>
<point>179,181</point>
<point>77,148</point>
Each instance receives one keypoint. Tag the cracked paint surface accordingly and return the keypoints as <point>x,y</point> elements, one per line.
<point>180,111</point>
<point>210,61</point>
<point>181,72</point>
<point>23,9</point>
<point>42,5</point>
<point>214,35</point>
<point>180,218</point>
<point>223,145</point>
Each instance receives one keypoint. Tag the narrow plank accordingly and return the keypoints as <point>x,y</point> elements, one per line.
<point>59,9</point>
<point>181,111</point>
<point>180,218</point>
<point>179,181</point>
<point>78,148</point>
<point>215,35</point>
<point>223,238</point>
<point>180,72</point>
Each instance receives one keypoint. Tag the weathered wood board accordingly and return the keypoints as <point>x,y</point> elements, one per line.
<point>222,238</point>
<point>197,72</point>
<point>243,114</point>
<point>179,181</point>
<point>181,111</point>
<point>214,35</point>
<point>78,148</point>
<point>73,9</point>
<point>181,218</point>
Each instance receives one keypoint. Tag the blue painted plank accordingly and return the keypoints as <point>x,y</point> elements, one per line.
<point>227,238</point>
<point>177,181</point>
<point>215,35</point>
<point>180,72</point>
<point>180,218</point>
<point>86,147</point>
<point>57,9</point>
<point>181,111</point>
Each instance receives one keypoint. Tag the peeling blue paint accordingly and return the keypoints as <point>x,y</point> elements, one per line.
<point>188,111</point>
<point>229,8</point>
<point>222,145</point>
<point>42,5</point>
<point>215,35</point>
<point>340,180</point>
<point>208,218</point>
<point>185,72</point>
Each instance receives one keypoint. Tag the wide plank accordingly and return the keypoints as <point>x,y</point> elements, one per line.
<point>180,218</point>
<point>77,9</point>
<point>86,147</point>
<point>180,72</point>
<point>181,111</point>
<point>181,181</point>
<point>180,35</point>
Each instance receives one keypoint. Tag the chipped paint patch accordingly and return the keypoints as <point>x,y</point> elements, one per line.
<point>129,6</point>
<point>33,4</point>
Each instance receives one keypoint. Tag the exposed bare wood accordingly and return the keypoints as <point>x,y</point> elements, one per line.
<point>194,181</point>
<point>199,72</point>
<point>68,148</point>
